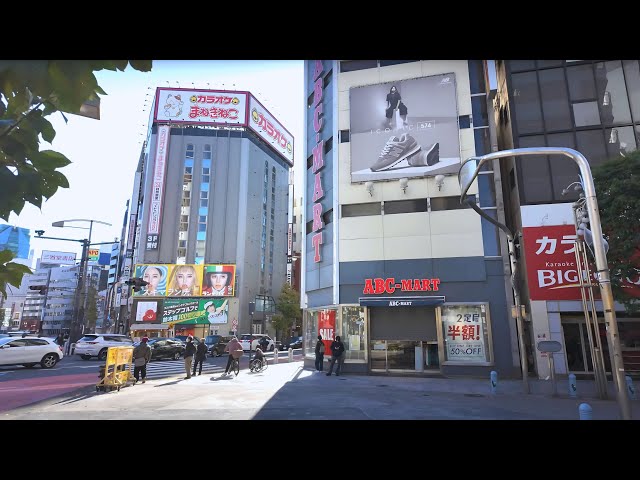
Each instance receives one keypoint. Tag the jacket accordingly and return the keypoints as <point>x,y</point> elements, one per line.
<point>201,351</point>
<point>337,348</point>
<point>142,350</point>
<point>318,344</point>
<point>189,350</point>
<point>233,345</point>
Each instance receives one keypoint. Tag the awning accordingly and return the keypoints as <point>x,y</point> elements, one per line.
<point>148,326</point>
<point>401,301</point>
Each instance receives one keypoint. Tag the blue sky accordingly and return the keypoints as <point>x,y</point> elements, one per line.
<point>104,153</point>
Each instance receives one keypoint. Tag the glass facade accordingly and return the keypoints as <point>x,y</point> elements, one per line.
<point>185,205</point>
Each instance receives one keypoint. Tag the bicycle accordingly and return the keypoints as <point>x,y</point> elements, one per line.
<point>235,363</point>
<point>258,365</point>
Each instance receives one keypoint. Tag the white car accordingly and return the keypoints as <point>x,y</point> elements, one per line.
<point>97,344</point>
<point>257,337</point>
<point>29,351</point>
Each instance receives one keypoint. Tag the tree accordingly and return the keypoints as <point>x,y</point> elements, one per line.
<point>617,183</point>
<point>289,307</point>
<point>30,91</point>
<point>92,309</point>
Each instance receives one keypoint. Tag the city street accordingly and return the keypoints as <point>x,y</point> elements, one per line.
<point>21,386</point>
<point>287,391</point>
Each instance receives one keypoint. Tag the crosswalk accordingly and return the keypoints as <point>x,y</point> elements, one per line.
<point>170,368</point>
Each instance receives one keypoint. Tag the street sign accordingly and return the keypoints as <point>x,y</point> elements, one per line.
<point>234,324</point>
<point>549,346</point>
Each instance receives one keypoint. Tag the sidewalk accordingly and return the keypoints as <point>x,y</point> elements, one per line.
<point>288,392</point>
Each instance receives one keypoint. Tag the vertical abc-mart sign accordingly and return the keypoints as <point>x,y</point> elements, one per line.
<point>318,160</point>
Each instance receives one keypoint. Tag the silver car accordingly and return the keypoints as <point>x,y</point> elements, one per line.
<point>97,344</point>
<point>30,351</point>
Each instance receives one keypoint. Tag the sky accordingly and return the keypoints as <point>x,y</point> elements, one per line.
<point>105,153</point>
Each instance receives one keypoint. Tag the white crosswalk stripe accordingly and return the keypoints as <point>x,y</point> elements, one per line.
<point>169,368</point>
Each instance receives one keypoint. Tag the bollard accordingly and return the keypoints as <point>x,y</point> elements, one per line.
<point>630,388</point>
<point>290,354</point>
<point>572,385</point>
<point>494,381</point>
<point>586,413</point>
<point>275,355</point>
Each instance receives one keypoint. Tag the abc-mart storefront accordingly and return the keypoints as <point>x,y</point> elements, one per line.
<point>394,265</point>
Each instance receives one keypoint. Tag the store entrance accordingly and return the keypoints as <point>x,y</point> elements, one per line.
<point>403,340</point>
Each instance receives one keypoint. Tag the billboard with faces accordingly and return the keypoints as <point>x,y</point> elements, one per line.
<point>169,280</point>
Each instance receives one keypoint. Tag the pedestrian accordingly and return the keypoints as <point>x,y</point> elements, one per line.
<point>319,354</point>
<point>231,347</point>
<point>60,339</point>
<point>189,352</point>
<point>337,351</point>
<point>141,356</point>
<point>201,356</point>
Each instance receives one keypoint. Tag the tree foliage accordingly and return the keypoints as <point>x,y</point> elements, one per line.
<point>617,183</point>
<point>30,91</point>
<point>288,305</point>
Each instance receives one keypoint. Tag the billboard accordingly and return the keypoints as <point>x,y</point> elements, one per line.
<point>270,130</point>
<point>205,107</point>
<point>169,280</point>
<point>147,311</point>
<point>65,258</point>
<point>157,189</point>
<point>406,128</point>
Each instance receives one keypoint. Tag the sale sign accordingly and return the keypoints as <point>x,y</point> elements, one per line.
<point>327,328</point>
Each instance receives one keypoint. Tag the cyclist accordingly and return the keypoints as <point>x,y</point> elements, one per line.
<point>258,359</point>
<point>232,346</point>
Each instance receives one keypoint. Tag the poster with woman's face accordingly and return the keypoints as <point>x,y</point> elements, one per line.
<point>184,281</point>
<point>218,280</point>
<point>156,278</point>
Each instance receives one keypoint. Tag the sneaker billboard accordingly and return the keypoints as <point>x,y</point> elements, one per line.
<point>406,128</point>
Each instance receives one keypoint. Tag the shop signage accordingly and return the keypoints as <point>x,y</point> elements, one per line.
<point>464,328</point>
<point>318,161</point>
<point>401,301</point>
<point>377,286</point>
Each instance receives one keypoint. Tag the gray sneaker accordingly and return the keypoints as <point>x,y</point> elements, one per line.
<point>395,151</point>
<point>425,157</point>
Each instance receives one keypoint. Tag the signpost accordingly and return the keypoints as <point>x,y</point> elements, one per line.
<point>549,347</point>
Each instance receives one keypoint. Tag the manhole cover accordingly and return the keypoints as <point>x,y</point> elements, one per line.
<point>473,395</point>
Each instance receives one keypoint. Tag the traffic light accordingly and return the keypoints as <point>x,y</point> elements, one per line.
<point>137,283</point>
<point>41,288</point>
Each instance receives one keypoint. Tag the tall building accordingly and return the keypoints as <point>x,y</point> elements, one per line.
<point>412,281</point>
<point>592,106</point>
<point>213,195</point>
<point>16,239</point>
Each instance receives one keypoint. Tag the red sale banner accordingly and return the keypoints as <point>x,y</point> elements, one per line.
<point>327,328</point>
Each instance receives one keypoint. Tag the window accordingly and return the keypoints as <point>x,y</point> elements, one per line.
<point>353,65</point>
<point>479,111</point>
<point>405,206</point>
<point>524,92</point>
<point>612,93</point>
<point>465,334</point>
<point>581,83</point>
<point>476,76</point>
<point>361,209</point>
<point>555,99</point>
<point>464,121</point>
<point>446,203</point>
<point>327,79</point>
<point>344,136</point>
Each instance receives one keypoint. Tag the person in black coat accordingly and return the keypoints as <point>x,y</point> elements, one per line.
<point>189,352</point>
<point>201,356</point>
<point>319,354</point>
<point>337,351</point>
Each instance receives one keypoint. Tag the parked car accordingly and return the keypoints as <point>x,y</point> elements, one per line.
<point>30,351</point>
<point>257,339</point>
<point>293,342</point>
<point>279,345</point>
<point>162,347</point>
<point>97,344</point>
<point>216,344</point>
<point>183,338</point>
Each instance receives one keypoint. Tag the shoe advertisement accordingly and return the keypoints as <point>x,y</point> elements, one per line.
<point>406,128</point>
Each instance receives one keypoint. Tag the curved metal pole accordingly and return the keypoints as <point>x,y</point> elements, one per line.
<point>602,273</point>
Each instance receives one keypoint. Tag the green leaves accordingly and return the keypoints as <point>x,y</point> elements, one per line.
<point>10,273</point>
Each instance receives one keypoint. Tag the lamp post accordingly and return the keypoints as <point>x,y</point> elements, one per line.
<point>466,177</point>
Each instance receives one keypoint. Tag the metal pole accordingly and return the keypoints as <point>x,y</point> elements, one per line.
<point>604,279</point>
<point>73,333</point>
<point>519,322</point>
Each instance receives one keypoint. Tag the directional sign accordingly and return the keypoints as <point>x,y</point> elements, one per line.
<point>549,346</point>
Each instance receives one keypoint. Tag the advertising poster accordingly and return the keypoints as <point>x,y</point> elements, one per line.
<point>464,330</point>
<point>218,107</point>
<point>216,310</point>
<point>270,130</point>
<point>406,128</point>
<point>147,311</point>
<point>327,328</point>
<point>184,281</point>
<point>218,280</point>
<point>156,276</point>
<point>182,310</point>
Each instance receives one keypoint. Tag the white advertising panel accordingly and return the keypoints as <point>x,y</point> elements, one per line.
<point>208,107</point>
<point>464,328</point>
<point>270,130</point>
<point>66,258</point>
<point>157,188</point>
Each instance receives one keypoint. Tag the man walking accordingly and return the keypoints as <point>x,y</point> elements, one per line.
<point>319,354</point>
<point>201,356</point>
<point>337,351</point>
<point>141,356</point>
<point>189,352</point>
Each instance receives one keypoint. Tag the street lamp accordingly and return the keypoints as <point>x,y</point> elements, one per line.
<point>466,176</point>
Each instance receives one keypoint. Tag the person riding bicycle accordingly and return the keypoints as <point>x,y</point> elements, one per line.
<point>232,346</point>
<point>258,358</point>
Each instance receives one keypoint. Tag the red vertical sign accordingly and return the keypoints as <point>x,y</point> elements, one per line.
<point>327,328</point>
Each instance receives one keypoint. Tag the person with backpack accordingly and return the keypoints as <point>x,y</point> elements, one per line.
<point>319,354</point>
<point>189,352</point>
<point>337,351</point>
<point>141,356</point>
<point>201,356</point>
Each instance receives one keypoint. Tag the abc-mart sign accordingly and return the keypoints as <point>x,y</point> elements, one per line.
<point>222,108</point>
